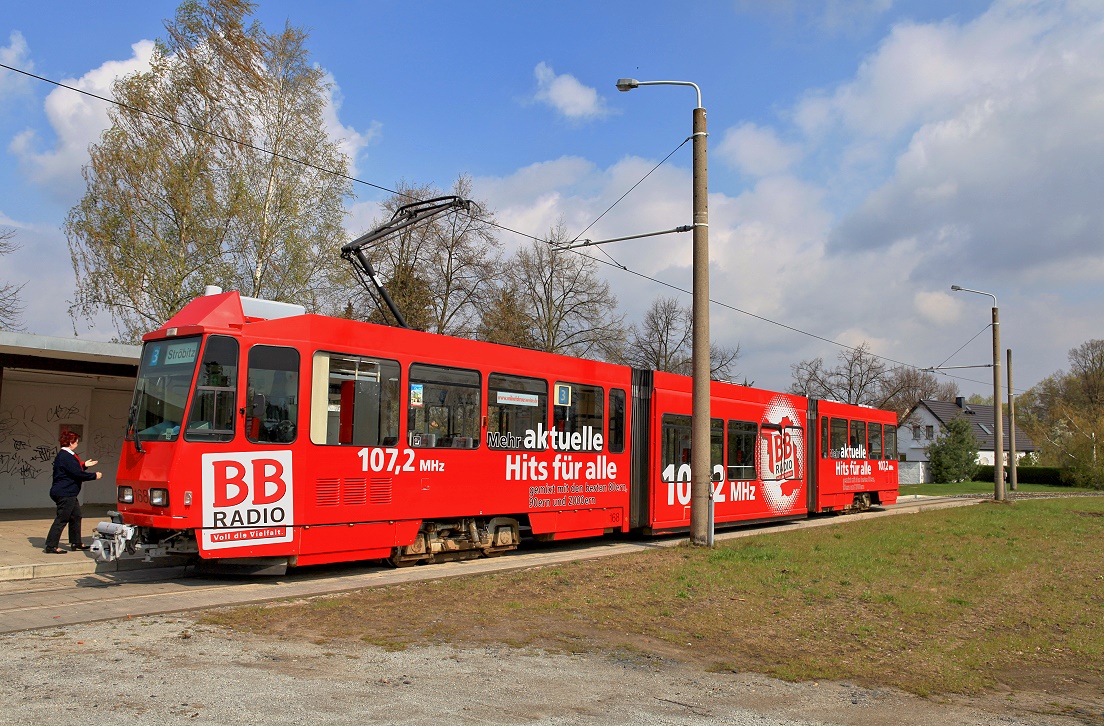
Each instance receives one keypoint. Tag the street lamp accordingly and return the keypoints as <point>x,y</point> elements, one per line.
<point>998,426</point>
<point>701,492</point>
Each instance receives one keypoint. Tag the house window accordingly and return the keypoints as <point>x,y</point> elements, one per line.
<point>929,432</point>
<point>986,429</point>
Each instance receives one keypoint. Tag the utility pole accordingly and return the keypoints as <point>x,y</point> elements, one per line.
<point>998,418</point>
<point>1012,484</point>
<point>701,470</point>
<point>701,488</point>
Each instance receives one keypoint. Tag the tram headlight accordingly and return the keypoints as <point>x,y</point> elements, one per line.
<point>159,497</point>
<point>126,495</point>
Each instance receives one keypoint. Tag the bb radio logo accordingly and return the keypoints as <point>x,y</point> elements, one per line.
<point>247,499</point>
<point>782,456</point>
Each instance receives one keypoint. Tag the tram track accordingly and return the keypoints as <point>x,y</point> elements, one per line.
<point>47,602</point>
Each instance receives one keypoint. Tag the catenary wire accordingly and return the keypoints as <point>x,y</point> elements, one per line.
<point>611,263</point>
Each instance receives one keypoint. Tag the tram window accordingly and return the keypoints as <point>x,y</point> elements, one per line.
<point>215,401</point>
<point>444,407</point>
<point>890,442</point>
<point>875,441</point>
<point>354,400</point>
<point>741,450</point>
<point>164,382</point>
<point>578,406</point>
<point>857,442</point>
<point>272,402</point>
<point>615,437</point>
<point>839,437</point>
<point>825,449</point>
<point>515,406</point>
<point>676,444</point>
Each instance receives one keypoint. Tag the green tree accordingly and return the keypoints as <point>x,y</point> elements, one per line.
<point>1064,415</point>
<point>196,181</point>
<point>953,454</point>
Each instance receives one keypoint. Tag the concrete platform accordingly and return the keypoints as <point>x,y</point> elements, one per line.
<point>23,535</point>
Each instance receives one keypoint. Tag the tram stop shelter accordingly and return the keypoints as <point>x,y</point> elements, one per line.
<point>50,384</point>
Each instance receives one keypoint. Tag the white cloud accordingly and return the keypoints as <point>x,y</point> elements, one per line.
<point>757,151</point>
<point>46,286</point>
<point>937,307</point>
<point>350,141</point>
<point>1012,167</point>
<point>831,17</point>
<point>15,54</point>
<point>567,95</point>
<point>958,152</point>
<point>77,121</point>
<point>924,71</point>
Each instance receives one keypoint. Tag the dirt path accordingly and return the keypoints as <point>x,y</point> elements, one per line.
<point>171,669</point>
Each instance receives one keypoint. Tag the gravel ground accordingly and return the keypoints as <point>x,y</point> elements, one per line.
<point>168,669</point>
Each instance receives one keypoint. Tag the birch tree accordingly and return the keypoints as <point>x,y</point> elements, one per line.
<point>198,179</point>
<point>11,306</point>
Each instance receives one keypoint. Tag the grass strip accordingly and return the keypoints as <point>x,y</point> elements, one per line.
<point>948,601</point>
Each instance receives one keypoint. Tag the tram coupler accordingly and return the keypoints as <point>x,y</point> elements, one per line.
<point>112,540</point>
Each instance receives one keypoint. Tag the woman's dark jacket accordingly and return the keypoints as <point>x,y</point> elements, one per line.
<point>69,474</point>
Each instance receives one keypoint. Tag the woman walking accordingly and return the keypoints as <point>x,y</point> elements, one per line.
<point>69,475</point>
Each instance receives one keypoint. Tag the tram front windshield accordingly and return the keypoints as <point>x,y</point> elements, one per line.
<point>164,379</point>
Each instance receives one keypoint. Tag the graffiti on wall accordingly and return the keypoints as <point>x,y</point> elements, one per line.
<point>29,439</point>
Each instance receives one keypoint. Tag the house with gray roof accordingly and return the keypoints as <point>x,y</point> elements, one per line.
<point>922,423</point>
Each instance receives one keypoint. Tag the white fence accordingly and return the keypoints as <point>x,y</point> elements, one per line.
<point>914,472</point>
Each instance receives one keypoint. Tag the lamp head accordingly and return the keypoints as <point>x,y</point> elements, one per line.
<point>956,288</point>
<point>627,84</point>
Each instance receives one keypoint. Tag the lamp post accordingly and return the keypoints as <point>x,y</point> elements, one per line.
<point>701,492</point>
<point>998,427</point>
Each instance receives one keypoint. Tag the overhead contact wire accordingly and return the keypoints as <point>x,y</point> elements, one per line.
<point>612,263</point>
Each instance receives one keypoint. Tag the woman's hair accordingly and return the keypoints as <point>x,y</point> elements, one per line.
<point>68,438</point>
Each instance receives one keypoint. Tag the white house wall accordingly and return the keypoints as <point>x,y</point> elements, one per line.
<point>915,449</point>
<point>33,409</point>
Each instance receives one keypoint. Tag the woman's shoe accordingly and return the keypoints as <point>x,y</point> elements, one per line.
<point>55,551</point>
<point>80,546</point>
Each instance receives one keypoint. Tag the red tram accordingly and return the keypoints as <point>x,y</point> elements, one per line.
<point>263,437</point>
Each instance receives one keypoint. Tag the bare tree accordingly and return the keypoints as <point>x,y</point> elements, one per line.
<point>439,273</point>
<point>558,297</point>
<point>856,379</point>
<point>11,307</point>
<point>1064,413</point>
<point>664,342</point>
<point>903,386</point>
<point>1087,372</point>
<point>863,378</point>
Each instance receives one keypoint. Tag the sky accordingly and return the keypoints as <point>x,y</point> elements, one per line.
<point>864,155</point>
